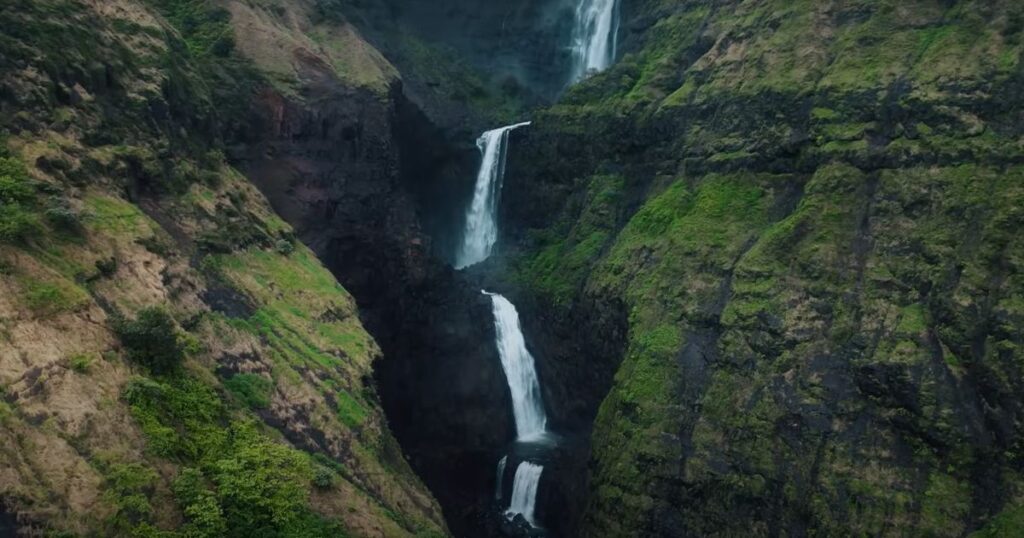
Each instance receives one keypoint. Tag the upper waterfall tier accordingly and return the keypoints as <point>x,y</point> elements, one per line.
<point>595,36</point>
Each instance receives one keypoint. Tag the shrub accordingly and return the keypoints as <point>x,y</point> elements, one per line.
<point>16,223</point>
<point>80,363</point>
<point>152,340</point>
<point>17,195</point>
<point>60,213</point>
<point>252,389</point>
<point>128,488</point>
<point>323,478</point>
<point>284,247</point>
<point>15,185</point>
<point>107,267</point>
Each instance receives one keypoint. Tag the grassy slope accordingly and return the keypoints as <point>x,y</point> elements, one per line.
<point>270,427</point>
<point>818,366</point>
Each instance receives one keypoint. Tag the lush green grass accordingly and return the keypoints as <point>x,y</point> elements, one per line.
<point>50,297</point>
<point>350,411</point>
<point>116,216</point>
<point>253,390</point>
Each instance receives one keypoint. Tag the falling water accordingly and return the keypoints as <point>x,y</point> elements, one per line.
<point>501,477</point>
<point>524,491</point>
<point>481,231</point>
<point>517,362</point>
<point>595,36</point>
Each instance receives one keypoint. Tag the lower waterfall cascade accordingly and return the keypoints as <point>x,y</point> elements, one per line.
<point>524,491</point>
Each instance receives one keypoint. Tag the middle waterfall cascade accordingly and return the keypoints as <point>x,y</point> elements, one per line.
<point>524,491</point>
<point>595,36</point>
<point>481,231</point>
<point>516,360</point>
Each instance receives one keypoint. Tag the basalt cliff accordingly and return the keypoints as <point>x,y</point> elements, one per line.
<point>767,262</point>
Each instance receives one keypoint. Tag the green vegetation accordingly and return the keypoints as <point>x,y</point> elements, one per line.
<point>80,363</point>
<point>152,340</point>
<point>1007,523</point>
<point>205,28</point>
<point>236,481</point>
<point>18,220</point>
<point>51,297</point>
<point>253,390</point>
<point>560,264</point>
<point>821,219</point>
<point>454,79</point>
<point>128,487</point>
<point>350,411</point>
<point>112,113</point>
<point>114,215</point>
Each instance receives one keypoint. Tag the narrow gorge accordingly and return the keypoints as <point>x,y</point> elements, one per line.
<point>521,269</point>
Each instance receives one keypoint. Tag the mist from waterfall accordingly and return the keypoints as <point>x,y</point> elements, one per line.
<point>594,37</point>
<point>481,229</point>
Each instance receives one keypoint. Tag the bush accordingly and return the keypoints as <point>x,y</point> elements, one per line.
<point>284,247</point>
<point>152,340</point>
<point>15,185</point>
<point>17,195</point>
<point>17,223</point>
<point>107,268</point>
<point>60,213</point>
<point>323,478</point>
<point>128,487</point>
<point>252,389</point>
<point>80,363</point>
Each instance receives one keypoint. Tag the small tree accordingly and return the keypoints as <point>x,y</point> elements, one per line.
<point>152,340</point>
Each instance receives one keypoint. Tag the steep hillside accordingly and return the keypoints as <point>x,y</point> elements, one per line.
<point>172,360</point>
<point>808,215</point>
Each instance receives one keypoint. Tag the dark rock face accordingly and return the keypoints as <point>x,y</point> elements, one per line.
<point>522,42</point>
<point>819,297</point>
<point>355,175</point>
<point>8,523</point>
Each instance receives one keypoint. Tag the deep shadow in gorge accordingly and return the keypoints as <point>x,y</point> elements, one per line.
<point>378,189</point>
<point>364,183</point>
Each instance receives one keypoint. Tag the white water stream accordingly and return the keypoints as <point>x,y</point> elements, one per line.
<point>518,364</point>
<point>481,230</point>
<point>595,36</point>
<point>501,477</point>
<point>524,491</point>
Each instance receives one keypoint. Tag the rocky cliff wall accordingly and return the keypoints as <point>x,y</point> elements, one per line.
<point>126,218</point>
<point>808,211</point>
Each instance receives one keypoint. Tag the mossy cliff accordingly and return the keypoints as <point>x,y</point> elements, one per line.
<point>810,212</point>
<point>173,361</point>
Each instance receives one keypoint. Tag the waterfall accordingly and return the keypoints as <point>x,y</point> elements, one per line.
<point>595,36</point>
<point>481,231</point>
<point>524,491</point>
<point>501,477</point>
<point>527,407</point>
